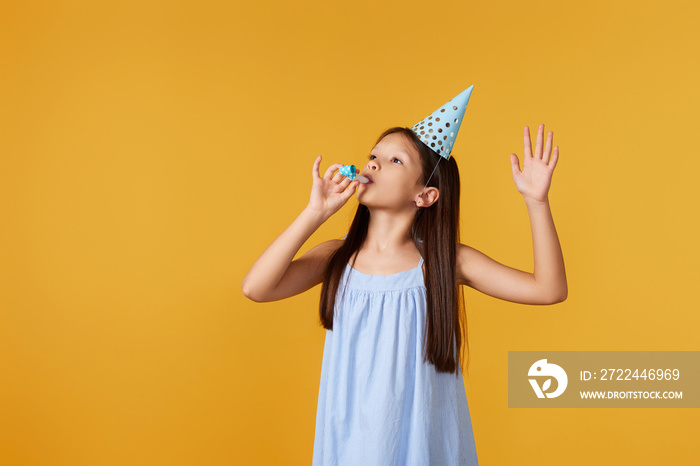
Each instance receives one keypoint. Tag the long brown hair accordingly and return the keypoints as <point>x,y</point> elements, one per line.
<point>435,232</point>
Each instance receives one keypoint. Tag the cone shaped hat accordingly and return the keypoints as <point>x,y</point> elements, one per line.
<point>439,129</point>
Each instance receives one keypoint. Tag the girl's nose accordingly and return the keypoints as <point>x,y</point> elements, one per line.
<point>372,165</point>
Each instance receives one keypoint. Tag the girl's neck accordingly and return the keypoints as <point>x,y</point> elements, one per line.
<point>388,231</point>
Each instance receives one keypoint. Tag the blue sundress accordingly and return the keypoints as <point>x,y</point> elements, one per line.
<point>378,402</point>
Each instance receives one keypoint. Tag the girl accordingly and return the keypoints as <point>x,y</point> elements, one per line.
<point>391,389</point>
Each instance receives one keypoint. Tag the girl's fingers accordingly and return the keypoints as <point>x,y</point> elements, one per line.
<point>331,169</point>
<point>331,174</point>
<point>344,184</point>
<point>548,148</point>
<point>351,189</point>
<point>555,157</point>
<point>337,177</point>
<point>538,144</point>
<point>526,142</point>
<point>314,171</point>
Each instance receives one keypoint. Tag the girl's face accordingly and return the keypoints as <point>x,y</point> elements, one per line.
<point>395,168</point>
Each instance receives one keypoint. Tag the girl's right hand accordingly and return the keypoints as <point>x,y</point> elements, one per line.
<point>330,193</point>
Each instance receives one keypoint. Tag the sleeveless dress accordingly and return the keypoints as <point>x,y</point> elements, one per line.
<point>378,402</point>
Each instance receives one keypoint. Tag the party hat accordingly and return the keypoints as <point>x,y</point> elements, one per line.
<point>439,130</point>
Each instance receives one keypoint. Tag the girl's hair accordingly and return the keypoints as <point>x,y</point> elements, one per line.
<point>438,228</point>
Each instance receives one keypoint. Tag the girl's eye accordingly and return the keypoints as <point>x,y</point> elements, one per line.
<point>374,156</point>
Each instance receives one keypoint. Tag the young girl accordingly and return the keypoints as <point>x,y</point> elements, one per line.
<point>391,390</point>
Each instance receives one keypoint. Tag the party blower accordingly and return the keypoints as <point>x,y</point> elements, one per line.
<point>350,171</point>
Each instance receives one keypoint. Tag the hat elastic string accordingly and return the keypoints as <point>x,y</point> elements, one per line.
<point>431,175</point>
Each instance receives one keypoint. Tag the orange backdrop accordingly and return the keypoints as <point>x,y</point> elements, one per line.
<point>150,151</point>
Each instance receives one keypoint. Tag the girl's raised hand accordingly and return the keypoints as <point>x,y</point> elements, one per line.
<point>534,180</point>
<point>330,193</point>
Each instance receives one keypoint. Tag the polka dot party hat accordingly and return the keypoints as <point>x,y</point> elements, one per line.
<point>439,130</point>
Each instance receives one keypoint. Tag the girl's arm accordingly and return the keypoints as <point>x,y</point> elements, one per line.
<point>549,273</point>
<point>547,285</point>
<point>274,275</point>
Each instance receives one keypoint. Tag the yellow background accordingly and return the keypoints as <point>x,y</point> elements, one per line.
<point>150,151</point>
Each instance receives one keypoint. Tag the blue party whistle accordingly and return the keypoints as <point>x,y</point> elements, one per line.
<point>350,171</point>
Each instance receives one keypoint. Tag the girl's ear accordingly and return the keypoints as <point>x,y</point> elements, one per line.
<point>428,197</point>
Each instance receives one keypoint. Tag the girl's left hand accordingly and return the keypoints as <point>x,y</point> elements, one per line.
<point>534,180</point>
